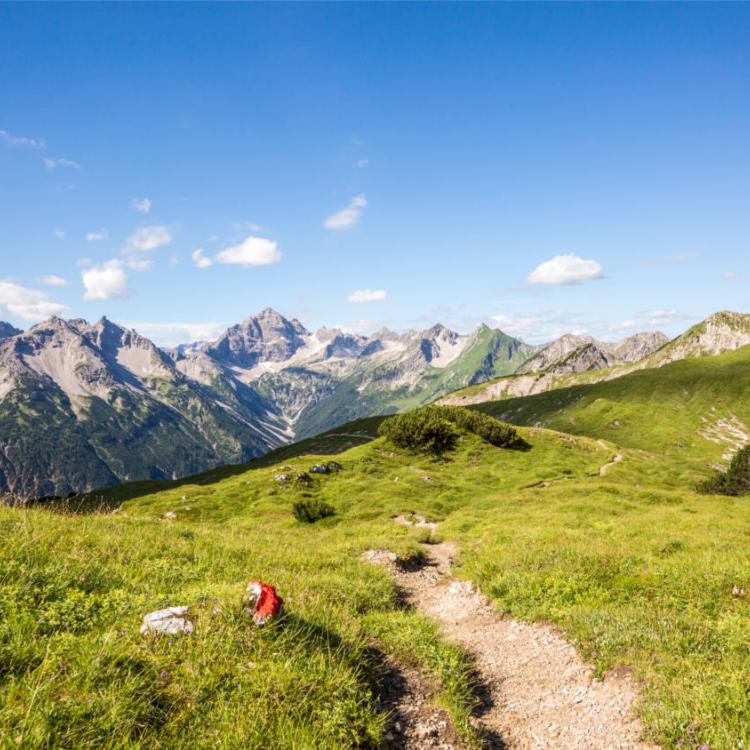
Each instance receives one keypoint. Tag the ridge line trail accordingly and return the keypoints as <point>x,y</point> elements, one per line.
<point>615,460</point>
<point>541,694</point>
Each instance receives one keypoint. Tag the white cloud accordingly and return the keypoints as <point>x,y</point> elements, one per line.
<point>52,280</point>
<point>201,259</point>
<point>363,327</point>
<point>543,326</point>
<point>142,205</point>
<point>29,304</point>
<point>362,163</point>
<point>660,314</point>
<point>55,163</point>
<point>172,334</point>
<point>347,217</point>
<point>367,295</point>
<point>137,263</point>
<point>96,236</point>
<point>252,251</point>
<point>624,326</point>
<point>13,140</point>
<point>146,239</point>
<point>106,281</point>
<point>733,276</point>
<point>565,269</point>
<point>59,233</point>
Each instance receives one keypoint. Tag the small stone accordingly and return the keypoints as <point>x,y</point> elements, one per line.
<point>170,515</point>
<point>171,620</point>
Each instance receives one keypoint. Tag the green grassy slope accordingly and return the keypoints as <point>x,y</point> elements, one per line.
<point>683,417</point>
<point>720,331</point>
<point>75,672</point>
<point>637,569</point>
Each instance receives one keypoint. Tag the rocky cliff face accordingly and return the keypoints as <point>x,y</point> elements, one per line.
<point>268,337</point>
<point>6,330</point>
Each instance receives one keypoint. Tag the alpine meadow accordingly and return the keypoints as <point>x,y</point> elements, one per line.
<point>375,376</point>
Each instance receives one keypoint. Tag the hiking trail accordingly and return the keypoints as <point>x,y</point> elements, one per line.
<point>540,694</point>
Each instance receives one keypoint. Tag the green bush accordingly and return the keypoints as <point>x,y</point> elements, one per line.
<point>488,428</point>
<point>432,429</point>
<point>735,481</point>
<point>424,430</point>
<point>312,509</point>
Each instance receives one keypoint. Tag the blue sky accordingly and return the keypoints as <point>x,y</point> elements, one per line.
<point>542,168</point>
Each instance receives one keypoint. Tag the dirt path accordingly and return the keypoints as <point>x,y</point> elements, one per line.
<point>415,722</point>
<point>604,469</point>
<point>540,693</point>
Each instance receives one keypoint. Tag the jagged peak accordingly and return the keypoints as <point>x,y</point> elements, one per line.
<point>437,331</point>
<point>729,319</point>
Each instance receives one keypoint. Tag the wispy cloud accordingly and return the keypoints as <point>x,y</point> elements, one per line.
<point>252,251</point>
<point>347,217</point>
<point>59,233</point>
<point>142,243</point>
<point>142,205</point>
<point>733,276</point>
<point>542,326</point>
<point>172,334</point>
<point>367,295</point>
<point>52,280</point>
<point>362,163</point>
<point>51,164</point>
<point>106,281</point>
<point>146,239</point>
<point>201,259</point>
<point>96,236</point>
<point>16,140</point>
<point>29,304</point>
<point>566,269</point>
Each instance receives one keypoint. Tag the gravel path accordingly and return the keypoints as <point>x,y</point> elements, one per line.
<point>540,694</point>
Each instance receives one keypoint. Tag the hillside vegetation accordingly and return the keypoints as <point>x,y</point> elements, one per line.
<point>638,569</point>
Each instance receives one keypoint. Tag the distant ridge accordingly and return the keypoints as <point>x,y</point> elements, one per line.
<point>720,332</point>
<point>85,405</point>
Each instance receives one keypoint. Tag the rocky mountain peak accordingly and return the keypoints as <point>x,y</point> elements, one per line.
<point>720,332</point>
<point>639,345</point>
<point>267,337</point>
<point>554,352</point>
<point>7,330</point>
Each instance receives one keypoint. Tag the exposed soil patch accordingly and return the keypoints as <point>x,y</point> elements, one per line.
<point>729,431</point>
<point>415,722</point>
<point>416,520</point>
<point>540,695</point>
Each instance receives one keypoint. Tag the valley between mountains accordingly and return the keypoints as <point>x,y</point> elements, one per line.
<point>90,405</point>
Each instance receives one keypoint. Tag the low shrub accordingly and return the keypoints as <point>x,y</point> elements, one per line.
<point>736,479</point>
<point>488,428</point>
<point>312,510</point>
<point>423,430</point>
<point>433,429</point>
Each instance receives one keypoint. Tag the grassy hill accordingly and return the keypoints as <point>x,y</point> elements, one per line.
<point>720,332</point>
<point>682,418</point>
<point>639,571</point>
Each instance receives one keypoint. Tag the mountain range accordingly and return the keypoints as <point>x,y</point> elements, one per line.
<point>89,405</point>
